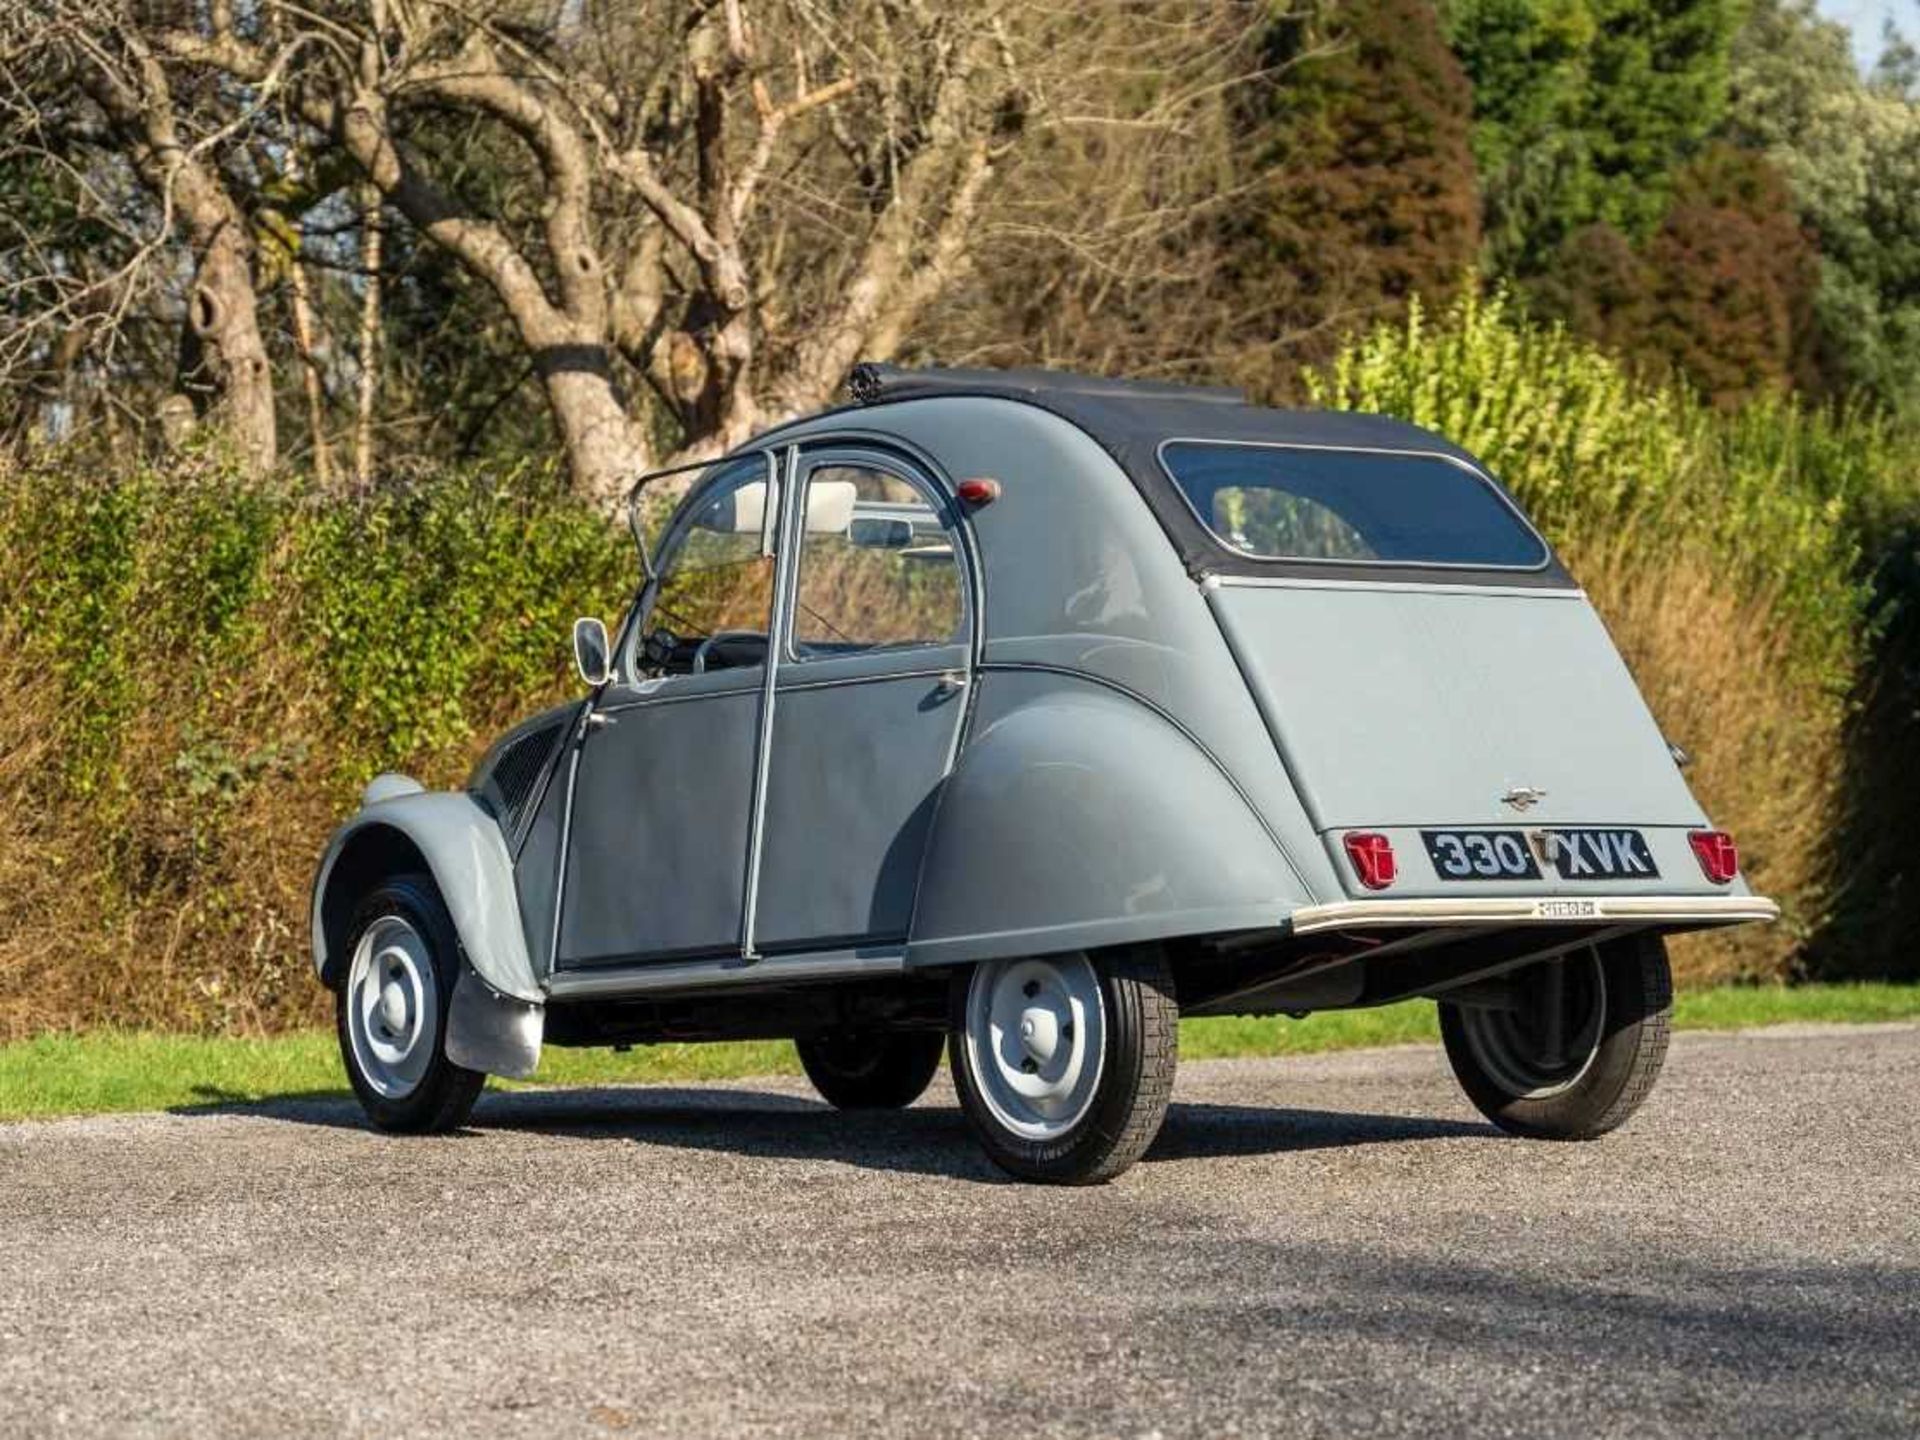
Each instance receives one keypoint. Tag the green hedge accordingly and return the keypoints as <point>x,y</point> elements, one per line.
<point>453,600</point>
<point>426,612</point>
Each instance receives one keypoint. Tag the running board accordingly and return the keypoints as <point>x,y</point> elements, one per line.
<point>1535,910</point>
<point>607,982</point>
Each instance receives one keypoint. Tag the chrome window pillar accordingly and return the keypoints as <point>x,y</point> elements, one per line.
<point>784,522</point>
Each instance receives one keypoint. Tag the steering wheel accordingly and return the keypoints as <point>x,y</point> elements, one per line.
<point>706,646</point>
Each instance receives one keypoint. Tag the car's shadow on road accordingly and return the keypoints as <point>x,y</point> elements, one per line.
<point>930,1138</point>
<point>1194,1131</point>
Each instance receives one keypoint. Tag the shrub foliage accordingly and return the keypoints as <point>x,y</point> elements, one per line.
<point>197,672</point>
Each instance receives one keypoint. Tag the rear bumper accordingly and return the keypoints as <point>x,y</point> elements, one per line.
<point>1504,910</point>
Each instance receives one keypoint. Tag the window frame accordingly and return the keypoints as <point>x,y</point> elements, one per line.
<point>830,453</point>
<point>627,647</point>
<point>1487,482</point>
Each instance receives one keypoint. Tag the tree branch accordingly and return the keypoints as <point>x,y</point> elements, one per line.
<point>949,146</point>
<point>356,116</point>
<point>949,258</point>
<point>773,119</point>
<point>476,79</point>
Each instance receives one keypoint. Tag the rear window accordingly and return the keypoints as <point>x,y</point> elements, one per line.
<point>1351,506</point>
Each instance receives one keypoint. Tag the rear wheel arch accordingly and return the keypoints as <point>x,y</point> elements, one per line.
<point>1085,818</point>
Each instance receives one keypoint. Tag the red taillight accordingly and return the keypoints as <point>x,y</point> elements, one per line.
<point>978,491</point>
<point>1718,856</point>
<point>1372,857</point>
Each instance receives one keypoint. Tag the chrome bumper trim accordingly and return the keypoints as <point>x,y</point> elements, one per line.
<point>1536,910</point>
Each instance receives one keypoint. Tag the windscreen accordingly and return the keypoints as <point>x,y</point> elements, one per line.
<point>1361,507</point>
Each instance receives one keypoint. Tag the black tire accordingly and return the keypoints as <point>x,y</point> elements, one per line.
<point>444,1093</point>
<point>871,1069</point>
<point>1600,1084</point>
<point>1129,1100</point>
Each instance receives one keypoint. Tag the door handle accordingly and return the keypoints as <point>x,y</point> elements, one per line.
<point>951,683</point>
<point>599,720</point>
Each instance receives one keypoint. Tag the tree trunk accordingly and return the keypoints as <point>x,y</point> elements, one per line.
<point>305,340</point>
<point>606,451</point>
<point>316,390</point>
<point>370,262</point>
<point>225,322</point>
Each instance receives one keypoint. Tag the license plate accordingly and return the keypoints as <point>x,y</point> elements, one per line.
<point>1480,854</point>
<point>1601,855</point>
<point>1582,854</point>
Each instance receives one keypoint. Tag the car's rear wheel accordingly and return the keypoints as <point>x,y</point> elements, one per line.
<point>1064,1063</point>
<point>1577,1050</point>
<point>391,1011</point>
<point>871,1069</point>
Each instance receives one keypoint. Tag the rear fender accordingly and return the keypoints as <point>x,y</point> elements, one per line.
<point>495,1020</point>
<point>1081,817</point>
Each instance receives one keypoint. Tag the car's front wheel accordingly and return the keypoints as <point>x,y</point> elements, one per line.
<point>1578,1047</point>
<point>1064,1063</point>
<point>871,1069</point>
<point>391,1011</point>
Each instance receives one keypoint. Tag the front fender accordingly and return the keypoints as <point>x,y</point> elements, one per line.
<point>400,826</point>
<point>1080,817</point>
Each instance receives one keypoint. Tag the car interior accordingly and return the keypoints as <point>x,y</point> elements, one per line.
<point>865,538</point>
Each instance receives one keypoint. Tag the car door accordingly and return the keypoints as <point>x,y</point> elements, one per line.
<point>657,835</point>
<point>870,693</point>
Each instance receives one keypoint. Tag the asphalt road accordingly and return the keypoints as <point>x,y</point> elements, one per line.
<point>1320,1246</point>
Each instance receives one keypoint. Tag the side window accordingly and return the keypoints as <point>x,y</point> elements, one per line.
<point>714,579</point>
<point>877,568</point>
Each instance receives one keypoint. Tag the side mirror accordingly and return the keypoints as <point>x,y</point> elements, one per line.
<point>592,651</point>
<point>879,533</point>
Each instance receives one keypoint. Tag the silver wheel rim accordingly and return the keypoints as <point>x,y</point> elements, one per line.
<point>393,1010</point>
<point>1036,1041</point>
<point>1547,1045</point>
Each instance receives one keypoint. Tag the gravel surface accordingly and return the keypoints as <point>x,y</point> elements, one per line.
<point>1315,1246</point>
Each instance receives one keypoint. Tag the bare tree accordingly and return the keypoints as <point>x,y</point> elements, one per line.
<point>1166,275</point>
<point>695,215</point>
<point>83,75</point>
<point>653,132</point>
<point>734,203</point>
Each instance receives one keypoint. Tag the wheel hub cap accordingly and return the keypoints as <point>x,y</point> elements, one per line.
<point>1040,1034</point>
<point>1036,1040</point>
<point>392,1007</point>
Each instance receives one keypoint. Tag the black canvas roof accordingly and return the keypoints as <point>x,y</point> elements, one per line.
<point>1131,420</point>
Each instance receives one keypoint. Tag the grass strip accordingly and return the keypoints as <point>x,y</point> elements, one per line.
<point>104,1071</point>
